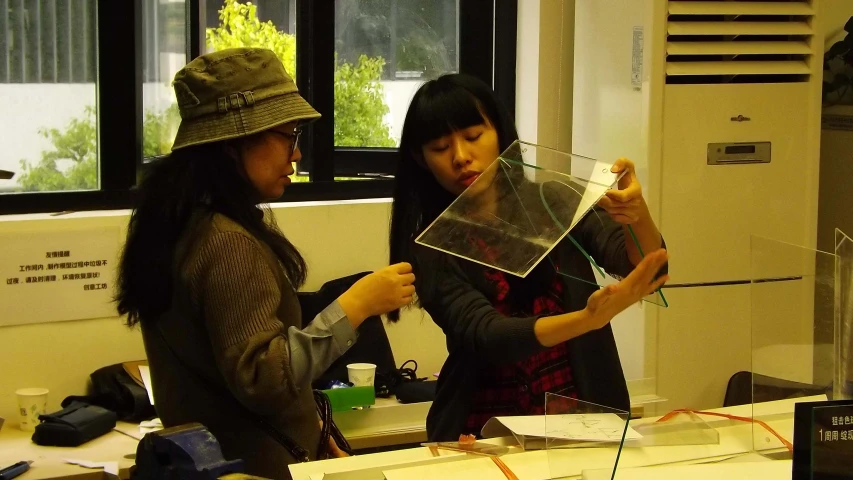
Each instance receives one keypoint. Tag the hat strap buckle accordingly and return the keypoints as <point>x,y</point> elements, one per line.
<point>236,100</point>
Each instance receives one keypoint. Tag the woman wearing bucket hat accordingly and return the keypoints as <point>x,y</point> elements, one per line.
<point>213,283</point>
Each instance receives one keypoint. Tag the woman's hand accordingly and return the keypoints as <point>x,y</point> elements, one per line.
<point>611,300</point>
<point>626,204</point>
<point>380,292</point>
<point>334,450</point>
<point>604,304</point>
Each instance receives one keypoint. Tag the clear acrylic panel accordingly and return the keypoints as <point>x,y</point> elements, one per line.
<point>571,424</point>
<point>844,316</point>
<point>521,207</point>
<point>792,295</point>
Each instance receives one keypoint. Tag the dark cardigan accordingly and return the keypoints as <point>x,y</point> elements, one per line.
<point>458,300</point>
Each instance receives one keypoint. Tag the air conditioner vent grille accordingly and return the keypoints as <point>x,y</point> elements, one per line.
<point>711,41</point>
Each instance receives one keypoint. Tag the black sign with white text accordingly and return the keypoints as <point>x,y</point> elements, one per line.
<point>823,440</point>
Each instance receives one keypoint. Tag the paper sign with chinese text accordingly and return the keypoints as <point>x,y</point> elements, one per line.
<point>58,276</point>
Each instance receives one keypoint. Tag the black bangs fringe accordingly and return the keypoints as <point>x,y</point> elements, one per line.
<point>444,110</point>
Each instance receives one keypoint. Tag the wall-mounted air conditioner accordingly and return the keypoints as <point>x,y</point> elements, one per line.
<point>718,102</point>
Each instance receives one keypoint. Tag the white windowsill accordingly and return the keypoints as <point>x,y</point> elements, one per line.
<point>125,212</point>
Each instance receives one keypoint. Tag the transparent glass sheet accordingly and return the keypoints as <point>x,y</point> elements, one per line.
<point>844,316</point>
<point>792,294</point>
<point>524,204</point>
<point>571,424</point>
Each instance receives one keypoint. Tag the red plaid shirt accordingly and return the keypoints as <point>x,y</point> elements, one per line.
<point>519,388</point>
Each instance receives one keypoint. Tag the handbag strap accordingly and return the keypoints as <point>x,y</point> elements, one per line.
<point>324,407</point>
<point>299,453</point>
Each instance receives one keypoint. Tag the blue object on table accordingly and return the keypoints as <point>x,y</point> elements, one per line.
<point>13,471</point>
<point>337,384</point>
<point>188,452</point>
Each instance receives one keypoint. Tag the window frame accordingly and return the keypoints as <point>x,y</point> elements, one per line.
<point>119,95</point>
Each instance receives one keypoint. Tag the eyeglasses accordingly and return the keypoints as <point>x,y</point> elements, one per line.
<point>293,137</point>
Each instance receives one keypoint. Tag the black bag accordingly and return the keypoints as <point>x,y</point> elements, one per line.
<point>115,389</point>
<point>74,425</point>
<point>372,346</point>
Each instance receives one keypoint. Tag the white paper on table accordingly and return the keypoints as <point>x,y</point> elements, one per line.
<point>145,373</point>
<point>589,427</point>
<point>138,432</point>
<point>152,425</point>
<point>109,467</point>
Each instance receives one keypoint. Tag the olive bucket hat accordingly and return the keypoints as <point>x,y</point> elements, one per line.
<point>233,93</point>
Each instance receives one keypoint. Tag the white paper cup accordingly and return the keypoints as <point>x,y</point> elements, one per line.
<point>32,402</point>
<point>361,374</point>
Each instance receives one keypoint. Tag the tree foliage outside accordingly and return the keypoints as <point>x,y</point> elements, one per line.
<point>71,163</point>
<point>239,26</point>
<point>359,121</point>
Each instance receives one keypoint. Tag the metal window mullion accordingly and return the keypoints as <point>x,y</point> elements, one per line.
<point>315,53</point>
<point>196,27</point>
<point>119,40</point>
<point>476,30</point>
<point>506,40</point>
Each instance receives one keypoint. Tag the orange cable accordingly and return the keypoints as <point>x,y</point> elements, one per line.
<point>731,417</point>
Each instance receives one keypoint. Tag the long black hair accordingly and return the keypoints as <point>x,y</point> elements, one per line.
<point>439,107</point>
<point>203,179</point>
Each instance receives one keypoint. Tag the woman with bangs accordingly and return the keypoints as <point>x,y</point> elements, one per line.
<point>511,340</point>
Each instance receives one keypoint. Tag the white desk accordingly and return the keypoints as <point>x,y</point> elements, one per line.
<point>16,445</point>
<point>736,439</point>
<point>391,423</point>
<point>765,470</point>
<point>385,424</point>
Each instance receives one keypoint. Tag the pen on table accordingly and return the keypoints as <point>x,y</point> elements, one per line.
<point>13,471</point>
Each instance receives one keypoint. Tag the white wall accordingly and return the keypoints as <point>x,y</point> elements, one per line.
<point>527,71</point>
<point>832,16</point>
<point>836,148</point>
<point>61,355</point>
<point>606,113</point>
<point>550,112</point>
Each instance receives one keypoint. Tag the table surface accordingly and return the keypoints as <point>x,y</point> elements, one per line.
<point>391,420</point>
<point>386,423</point>
<point>49,462</point>
<point>736,440</point>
